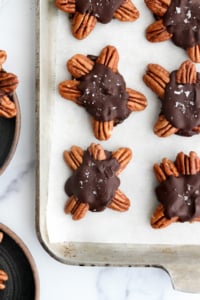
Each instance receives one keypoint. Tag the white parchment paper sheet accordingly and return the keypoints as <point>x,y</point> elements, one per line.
<point>71,126</point>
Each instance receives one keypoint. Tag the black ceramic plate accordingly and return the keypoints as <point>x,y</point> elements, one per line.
<point>9,135</point>
<point>17,262</point>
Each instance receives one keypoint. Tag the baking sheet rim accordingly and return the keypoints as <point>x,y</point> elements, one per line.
<point>176,260</point>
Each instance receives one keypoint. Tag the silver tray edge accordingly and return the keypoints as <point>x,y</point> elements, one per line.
<point>182,263</point>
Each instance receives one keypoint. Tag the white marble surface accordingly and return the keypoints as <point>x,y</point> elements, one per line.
<point>17,191</point>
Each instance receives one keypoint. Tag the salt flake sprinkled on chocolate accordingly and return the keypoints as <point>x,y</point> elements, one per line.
<point>178,10</point>
<point>178,92</point>
<point>181,106</point>
<point>187,93</point>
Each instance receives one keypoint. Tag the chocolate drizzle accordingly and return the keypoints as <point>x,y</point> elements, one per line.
<point>182,19</point>
<point>103,10</point>
<point>181,105</point>
<point>103,94</point>
<point>94,182</point>
<point>180,196</point>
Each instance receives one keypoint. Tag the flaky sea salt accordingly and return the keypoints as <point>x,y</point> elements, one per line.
<point>178,10</point>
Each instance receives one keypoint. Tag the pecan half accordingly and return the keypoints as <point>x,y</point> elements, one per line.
<point>197,219</point>
<point>157,32</point>
<point>136,101</point>
<point>3,277</point>
<point>68,89</point>
<point>1,236</point>
<point>97,152</point>
<point>156,78</point>
<point>80,211</point>
<point>7,108</point>
<point>196,129</point>
<point>158,7</point>
<point>159,173</point>
<point>194,53</point>
<point>188,165</point>
<point>3,57</point>
<point>102,130</point>
<point>68,6</point>
<point>194,163</point>
<point>79,65</point>
<point>163,128</point>
<point>127,12</point>
<point>169,167</point>
<point>119,202</point>
<point>186,73</point>
<point>158,219</point>
<point>8,83</point>
<point>165,169</point>
<point>82,25</point>
<point>109,57</point>
<point>74,157</point>
<point>77,209</point>
<point>123,156</point>
<point>70,205</point>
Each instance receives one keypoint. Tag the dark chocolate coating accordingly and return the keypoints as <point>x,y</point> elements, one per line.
<point>182,19</point>
<point>181,105</point>
<point>180,196</point>
<point>94,182</point>
<point>103,10</point>
<point>103,94</point>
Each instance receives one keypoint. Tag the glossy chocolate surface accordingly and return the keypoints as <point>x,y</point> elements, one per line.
<point>180,196</point>
<point>94,182</point>
<point>103,10</point>
<point>103,94</point>
<point>182,19</point>
<point>181,105</point>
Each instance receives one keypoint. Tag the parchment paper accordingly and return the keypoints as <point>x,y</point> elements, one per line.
<point>71,126</point>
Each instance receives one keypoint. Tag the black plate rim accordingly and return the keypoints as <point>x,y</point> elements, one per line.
<point>28,255</point>
<point>16,136</point>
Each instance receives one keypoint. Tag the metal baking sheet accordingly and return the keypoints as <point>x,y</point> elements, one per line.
<point>181,261</point>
